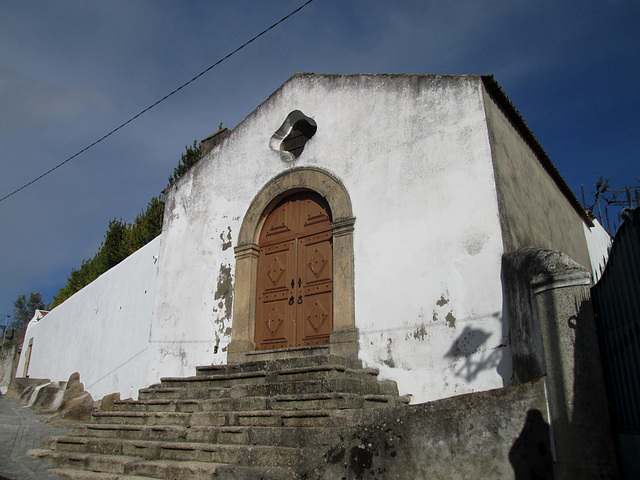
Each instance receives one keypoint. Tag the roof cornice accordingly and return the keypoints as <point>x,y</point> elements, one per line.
<point>514,117</point>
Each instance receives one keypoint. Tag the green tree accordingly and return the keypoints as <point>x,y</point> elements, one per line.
<point>24,309</point>
<point>187,160</point>
<point>122,239</point>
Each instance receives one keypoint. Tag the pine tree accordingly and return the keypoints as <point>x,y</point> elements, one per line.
<point>187,160</point>
<point>122,239</point>
<point>24,309</point>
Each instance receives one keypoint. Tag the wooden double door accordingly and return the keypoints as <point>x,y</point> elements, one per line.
<point>295,275</point>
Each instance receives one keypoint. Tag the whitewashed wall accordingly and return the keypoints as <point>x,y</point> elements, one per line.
<point>102,331</point>
<point>414,156</point>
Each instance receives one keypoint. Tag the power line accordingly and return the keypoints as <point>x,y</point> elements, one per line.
<point>157,102</point>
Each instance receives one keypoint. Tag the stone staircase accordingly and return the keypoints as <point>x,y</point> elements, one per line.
<point>266,419</point>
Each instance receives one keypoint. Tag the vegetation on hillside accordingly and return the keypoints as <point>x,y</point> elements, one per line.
<point>24,309</point>
<point>122,238</point>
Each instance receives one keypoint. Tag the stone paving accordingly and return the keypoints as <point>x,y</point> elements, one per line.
<point>21,430</point>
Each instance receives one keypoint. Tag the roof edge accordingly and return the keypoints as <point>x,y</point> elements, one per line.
<point>514,117</point>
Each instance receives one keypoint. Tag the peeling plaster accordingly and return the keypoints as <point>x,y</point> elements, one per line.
<point>223,293</point>
<point>226,244</point>
<point>389,360</point>
<point>451,320</point>
<point>474,245</point>
<point>420,333</point>
<point>443,301</point>
<point>180,354</point>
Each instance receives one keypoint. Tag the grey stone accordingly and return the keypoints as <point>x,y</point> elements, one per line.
<point>22,430</point>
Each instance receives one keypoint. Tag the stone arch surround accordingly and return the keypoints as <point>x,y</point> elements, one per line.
<point>344,338</point>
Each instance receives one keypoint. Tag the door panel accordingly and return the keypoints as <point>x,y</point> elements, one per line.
<point>315,267</point>
<point>314,217</point>
<point>315,259</point>
<point>274,319</point>
<point>315,321</point>
<point>295,275</point>
<point>280,225</point>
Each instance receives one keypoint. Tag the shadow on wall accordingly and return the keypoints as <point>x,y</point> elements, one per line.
<point>553,335</point>
<point>530,455</point>
<point>588,441</point>
<point>471,346</point>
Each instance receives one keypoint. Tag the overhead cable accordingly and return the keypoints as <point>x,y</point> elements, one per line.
<point>157,102</point>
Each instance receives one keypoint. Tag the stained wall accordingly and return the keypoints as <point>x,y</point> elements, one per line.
<point>534,211</point>
<point>419,157</point>
<point>413,154</point>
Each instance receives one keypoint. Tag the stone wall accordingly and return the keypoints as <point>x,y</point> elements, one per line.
<point>500,433</point>
<point>553,334</point>
<point>9,357</point>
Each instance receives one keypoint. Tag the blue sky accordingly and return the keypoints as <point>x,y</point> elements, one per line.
<point>72,71</point>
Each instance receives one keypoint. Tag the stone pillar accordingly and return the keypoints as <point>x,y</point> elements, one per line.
<point>553,334</point>
<point>244,303</point>
<point>344,338</point>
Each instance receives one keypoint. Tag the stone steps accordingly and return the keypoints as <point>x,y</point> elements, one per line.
<point>168,411</point>
<point>68,451</point>
<point>280,364</point>
<point>319,372</point>
<point>224,385</point>
<point>263,419</point>
<point>259,417</point>
<point>277,435</point>
<point>186,396</point>
<point>163,469</point>
<point>108,467</point>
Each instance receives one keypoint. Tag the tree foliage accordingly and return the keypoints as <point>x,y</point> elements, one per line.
<point>24,309</point>
<point>122,239</point>
<point>188,159</point>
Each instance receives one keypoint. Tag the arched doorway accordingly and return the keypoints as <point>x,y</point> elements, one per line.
<point>344,337</point>
<point>294,306</point>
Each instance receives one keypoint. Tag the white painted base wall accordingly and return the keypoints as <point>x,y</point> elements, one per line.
<point>102,331</point>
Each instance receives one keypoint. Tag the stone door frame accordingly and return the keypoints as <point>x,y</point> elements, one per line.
<point>344,338</point>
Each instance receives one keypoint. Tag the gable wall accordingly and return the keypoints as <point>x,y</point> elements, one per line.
<point>533,210</point>
<point>413,154</point>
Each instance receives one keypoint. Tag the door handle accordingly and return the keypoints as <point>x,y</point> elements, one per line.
<point>299,282</point>
<point>299,299</point>
<point>291,300</point>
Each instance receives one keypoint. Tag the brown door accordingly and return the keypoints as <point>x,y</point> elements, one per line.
<point>295,275</point>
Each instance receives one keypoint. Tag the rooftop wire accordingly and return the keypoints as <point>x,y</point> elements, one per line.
<point>158,101</point>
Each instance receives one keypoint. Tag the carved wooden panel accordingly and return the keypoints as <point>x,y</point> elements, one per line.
<point>314,218</point>
<point>315,267</point>
<point>281,224</point>
<point>274,318</point>
<point>295,275</point>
